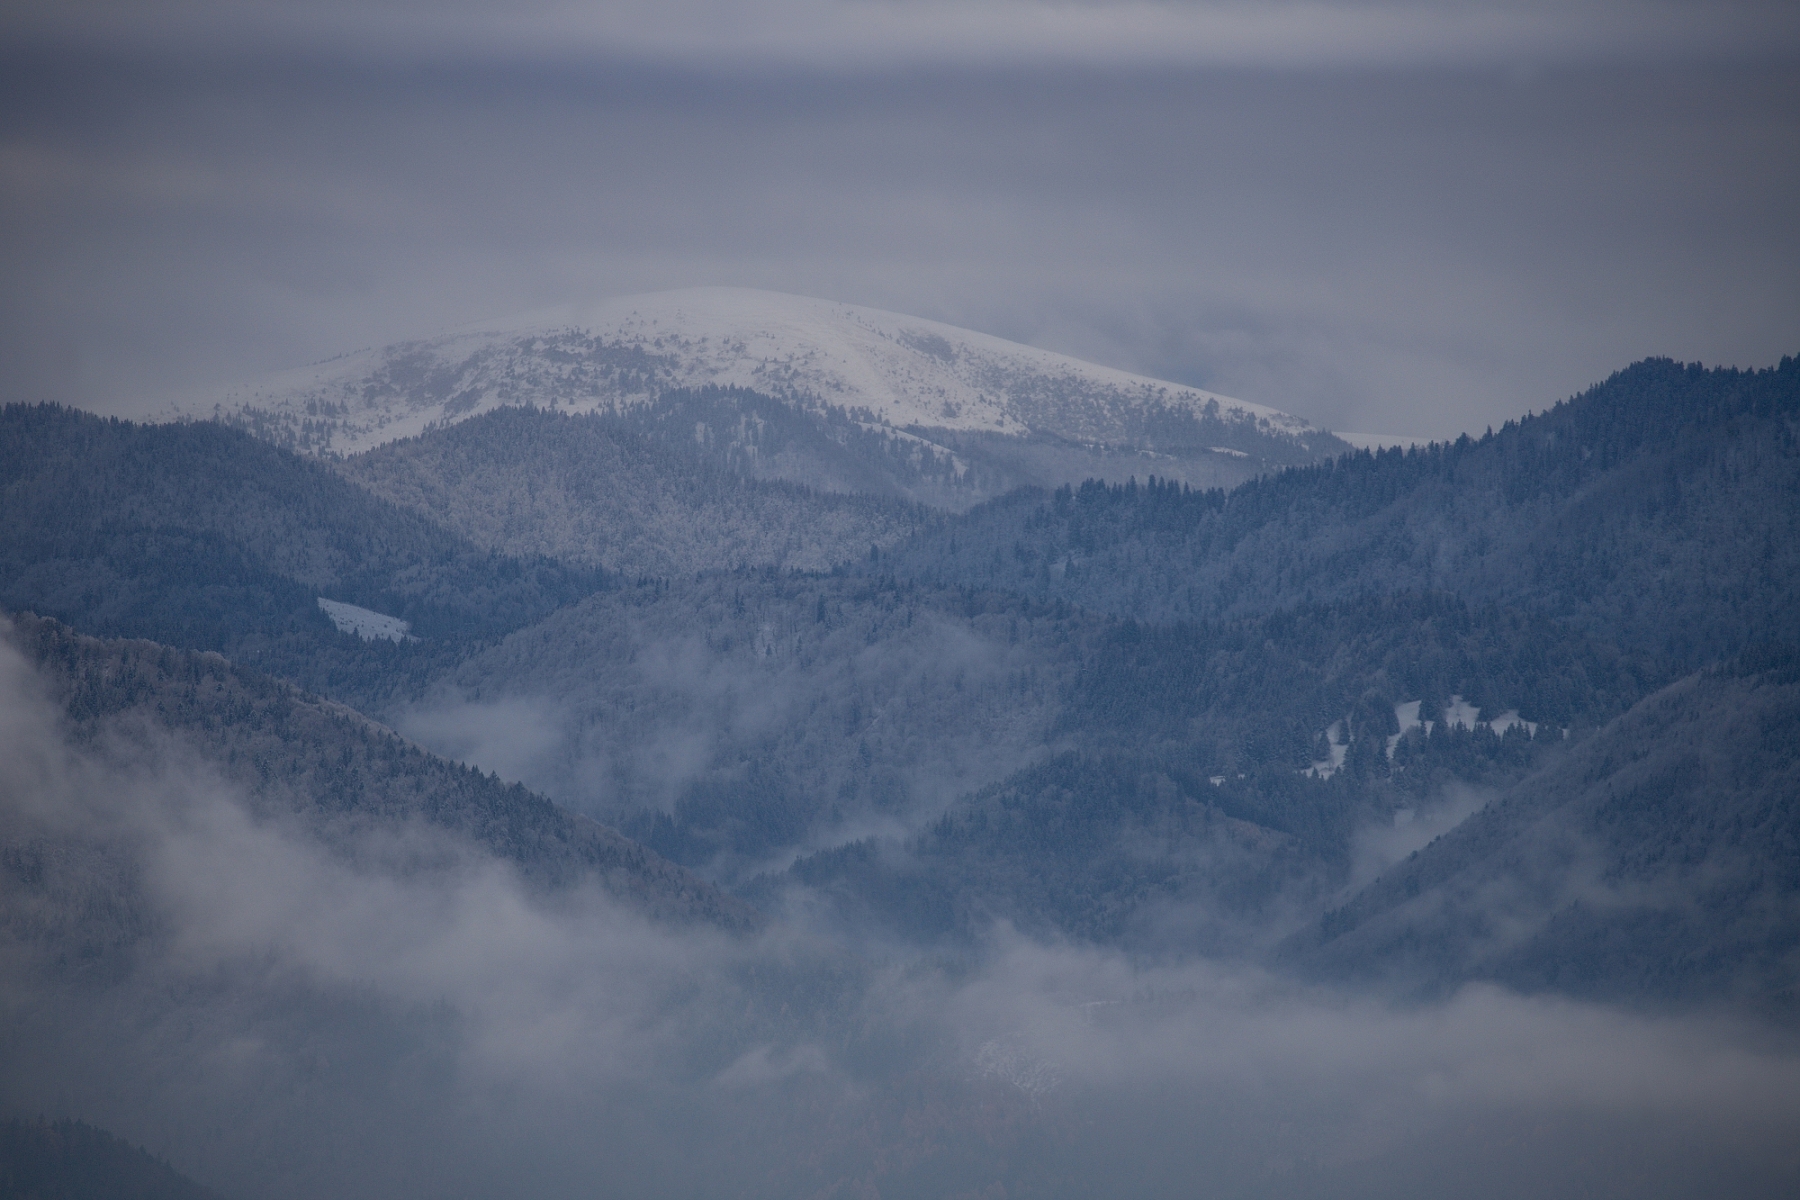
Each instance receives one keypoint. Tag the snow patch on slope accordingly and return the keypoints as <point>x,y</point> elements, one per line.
<point>1458,712</point>
<point>1338,738</point>
<point>366,623</point>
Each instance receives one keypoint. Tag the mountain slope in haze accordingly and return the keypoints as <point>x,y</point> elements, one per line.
<point>283,945</point>
<point>980,414</point>
<point>593,491</point>
<point>72,1160</point>
<point>345,779</point>
<point>1660,508</point>
<point>1181,809</point>
<point>203,537</point>
<point>736,716</point>
<point>1658,860</point>
<point>734,721</point>
<point>753,724</point>
<point>1081,884</point>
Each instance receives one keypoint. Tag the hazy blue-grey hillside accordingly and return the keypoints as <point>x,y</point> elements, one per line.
<point>1193,800</point>
<point>824,448</point>
<point>599,492</point>
<point>1660,508</point>
<point>837,449</point>
<point>71,1160</point>
<point>199,535</point>
<point>297,758</point>
<point>969,860</point>
<point>745,714</point>
<point>1658,859</point>
<point>735,721</point>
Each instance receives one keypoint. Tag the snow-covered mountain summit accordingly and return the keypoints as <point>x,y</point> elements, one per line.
<point>927,388</point>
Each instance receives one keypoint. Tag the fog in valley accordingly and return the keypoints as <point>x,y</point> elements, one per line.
<point>899,601</point>
<point>398,1017</point>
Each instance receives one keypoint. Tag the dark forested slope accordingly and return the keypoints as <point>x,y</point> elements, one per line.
<point>1658,859</point>
<point>1079,713</point>
<point>1181,809</point>
<point>735,721</point>
<point>71,1160</point>
<point>1660,508</point>
<point>343,777</point>
<point>200,535</point>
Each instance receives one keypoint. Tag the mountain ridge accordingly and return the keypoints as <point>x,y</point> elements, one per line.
<point>1668,488</point>
<point>736,719</point>
<point>921,387</point>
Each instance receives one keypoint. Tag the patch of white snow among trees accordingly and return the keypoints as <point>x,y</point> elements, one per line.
<point>366,623</point>
<point>1338,738</point>
<point>1406,715</point>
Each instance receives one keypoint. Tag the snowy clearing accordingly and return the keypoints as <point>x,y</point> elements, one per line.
<point>366,623</point>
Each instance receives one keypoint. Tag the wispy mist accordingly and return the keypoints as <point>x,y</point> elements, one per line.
<point>881,713</point>
<point>400,1016</point>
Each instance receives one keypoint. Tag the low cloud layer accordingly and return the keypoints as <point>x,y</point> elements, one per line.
<point>402,1018</point>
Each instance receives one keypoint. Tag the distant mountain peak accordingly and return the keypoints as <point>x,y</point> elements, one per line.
<point>903,376</point>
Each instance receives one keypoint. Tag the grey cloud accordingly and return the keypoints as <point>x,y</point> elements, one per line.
<point>849,36</point>
<point>1404,251</point>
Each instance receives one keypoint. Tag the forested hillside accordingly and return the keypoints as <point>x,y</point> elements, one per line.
<point>71,1160</point>
<point>198,535</point>
<point>746,713</point>
<point>348,782</point>
<point>1660,509</point>
<point>1658,860</point>
<point>1181,808</point>
<point>1148,716</point>
<point>635,859</point>
<point>601,492</point>
<point>734,721</point>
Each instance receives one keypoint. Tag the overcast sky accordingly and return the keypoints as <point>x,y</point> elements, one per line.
<point>1414,218</point>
